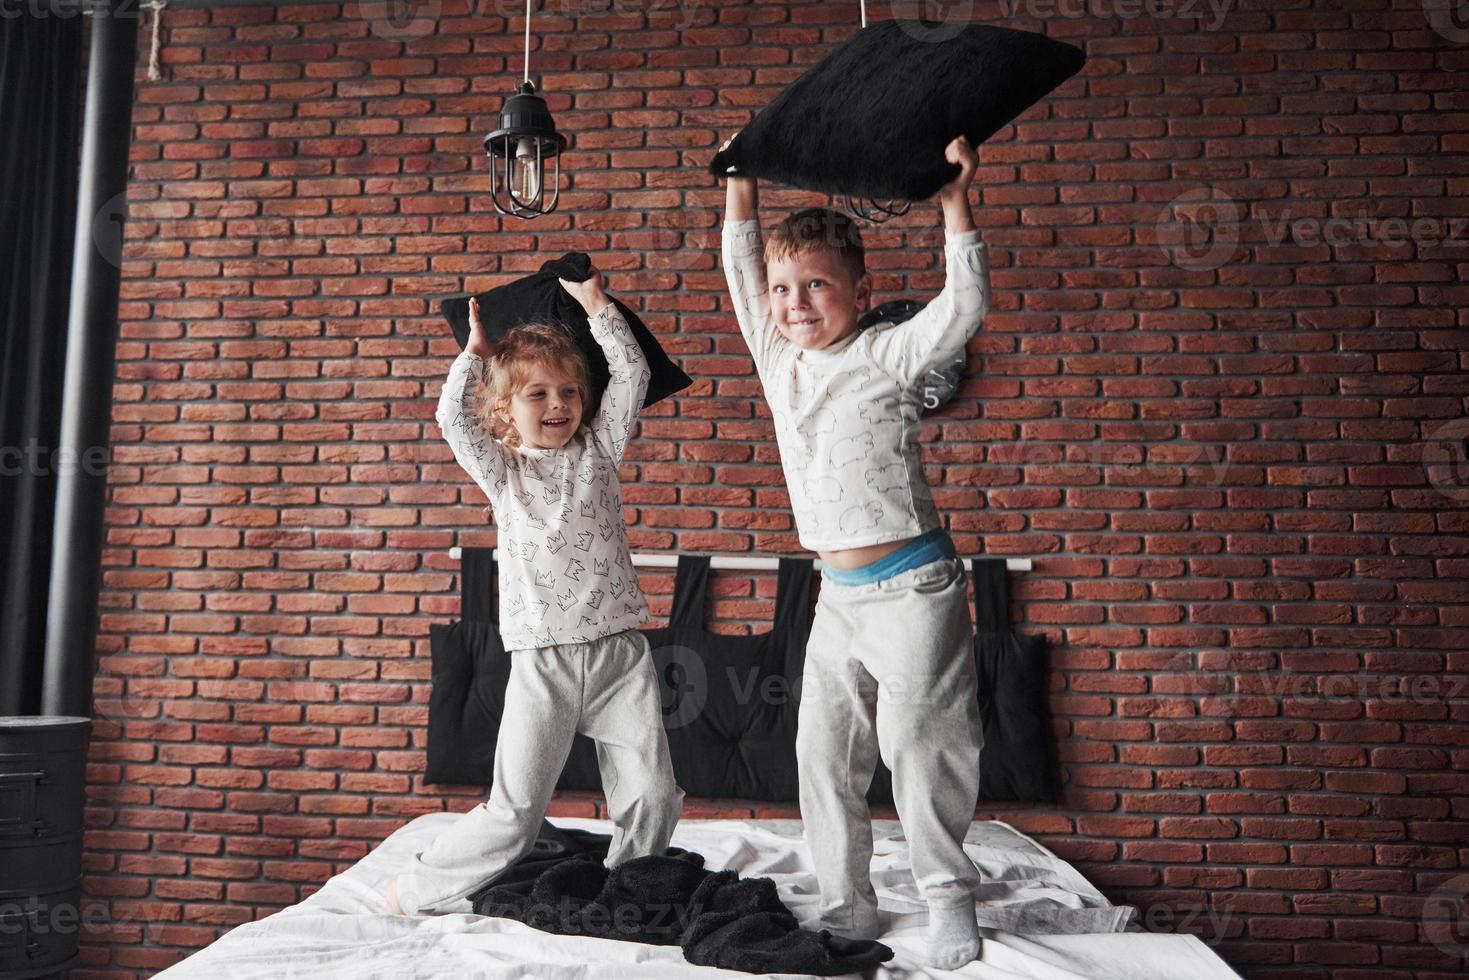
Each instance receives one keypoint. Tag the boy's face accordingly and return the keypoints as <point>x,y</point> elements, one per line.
<point>546,409</point>
<point>814,299</point>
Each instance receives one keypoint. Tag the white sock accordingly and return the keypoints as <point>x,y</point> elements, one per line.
<point>953,936</point>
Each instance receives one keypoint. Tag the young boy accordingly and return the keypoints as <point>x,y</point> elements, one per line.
<point>889,667</point>
<point>513,413</point>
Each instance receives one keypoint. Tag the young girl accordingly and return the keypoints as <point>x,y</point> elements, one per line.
<point>569,597</point>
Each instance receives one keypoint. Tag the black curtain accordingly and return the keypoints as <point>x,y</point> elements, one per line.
<point>40,111</point>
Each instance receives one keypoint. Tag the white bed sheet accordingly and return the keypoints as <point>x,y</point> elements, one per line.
<point>1041,920</point>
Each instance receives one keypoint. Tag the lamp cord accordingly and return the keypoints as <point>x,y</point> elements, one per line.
<point>864,13</point>
<point>155,68</point>
<point>527,40</point>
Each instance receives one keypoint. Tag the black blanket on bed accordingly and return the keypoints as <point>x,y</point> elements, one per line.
<point>716,917</point>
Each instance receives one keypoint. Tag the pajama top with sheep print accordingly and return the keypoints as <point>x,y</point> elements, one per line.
<point>846,416</point>
<point>565,572</point>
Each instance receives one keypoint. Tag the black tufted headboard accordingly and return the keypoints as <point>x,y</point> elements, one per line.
<point>730,702</point>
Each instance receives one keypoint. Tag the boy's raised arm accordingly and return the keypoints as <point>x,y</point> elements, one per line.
<point>741,198</point>
<point>940,331</point>
<point>743,254</point>
<point>627,367</point>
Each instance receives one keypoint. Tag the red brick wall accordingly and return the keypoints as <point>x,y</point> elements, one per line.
<point>1255,584</point>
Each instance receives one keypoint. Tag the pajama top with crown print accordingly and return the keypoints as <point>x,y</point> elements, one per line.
<point>565,572</point>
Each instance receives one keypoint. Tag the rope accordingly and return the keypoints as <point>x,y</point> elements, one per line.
<point>155,69</point>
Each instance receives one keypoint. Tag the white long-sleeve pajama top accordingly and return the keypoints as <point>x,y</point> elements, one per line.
<point>846,417</point>
<point>565,572</point>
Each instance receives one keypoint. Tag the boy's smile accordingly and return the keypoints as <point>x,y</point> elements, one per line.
<point>814,299</point>
<point>546,410</point>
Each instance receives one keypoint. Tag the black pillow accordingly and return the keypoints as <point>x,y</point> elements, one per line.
<point>872,118</point>
<point>539,298</point>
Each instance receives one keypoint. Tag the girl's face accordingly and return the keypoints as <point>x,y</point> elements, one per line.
<point>546,409</point>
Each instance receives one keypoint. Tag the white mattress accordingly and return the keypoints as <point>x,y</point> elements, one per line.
<point>1040,919</point>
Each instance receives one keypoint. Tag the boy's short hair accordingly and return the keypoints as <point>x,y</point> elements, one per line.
<point>814,228</point>
<point>516,353</point>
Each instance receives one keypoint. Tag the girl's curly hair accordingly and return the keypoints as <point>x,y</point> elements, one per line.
<point>522,348</point>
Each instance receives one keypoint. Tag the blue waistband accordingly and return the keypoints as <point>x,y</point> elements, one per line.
<point>927,547</point>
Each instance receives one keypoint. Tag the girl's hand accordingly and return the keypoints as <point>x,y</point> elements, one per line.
<point>479,342</point>
<point>591,294</point>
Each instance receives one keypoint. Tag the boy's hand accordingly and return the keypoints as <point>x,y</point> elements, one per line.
<point>954,196</point>
<point>741,199</point>
<point>479,342</point>
<point>591,293</point>
<point>959,151</point>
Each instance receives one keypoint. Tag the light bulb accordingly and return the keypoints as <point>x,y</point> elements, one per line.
<point>527,178</point>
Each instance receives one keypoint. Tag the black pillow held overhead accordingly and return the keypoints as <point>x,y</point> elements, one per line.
<point>539,298</point>
<point>872,118</point>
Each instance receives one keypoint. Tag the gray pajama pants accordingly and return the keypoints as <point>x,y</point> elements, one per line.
<point>890,671</point>
<point>607,690</point>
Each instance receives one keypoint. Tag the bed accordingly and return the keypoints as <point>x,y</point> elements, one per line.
<point>1040,919</point>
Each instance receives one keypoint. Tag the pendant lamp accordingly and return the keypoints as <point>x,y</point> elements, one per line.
<point>519,148</point>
